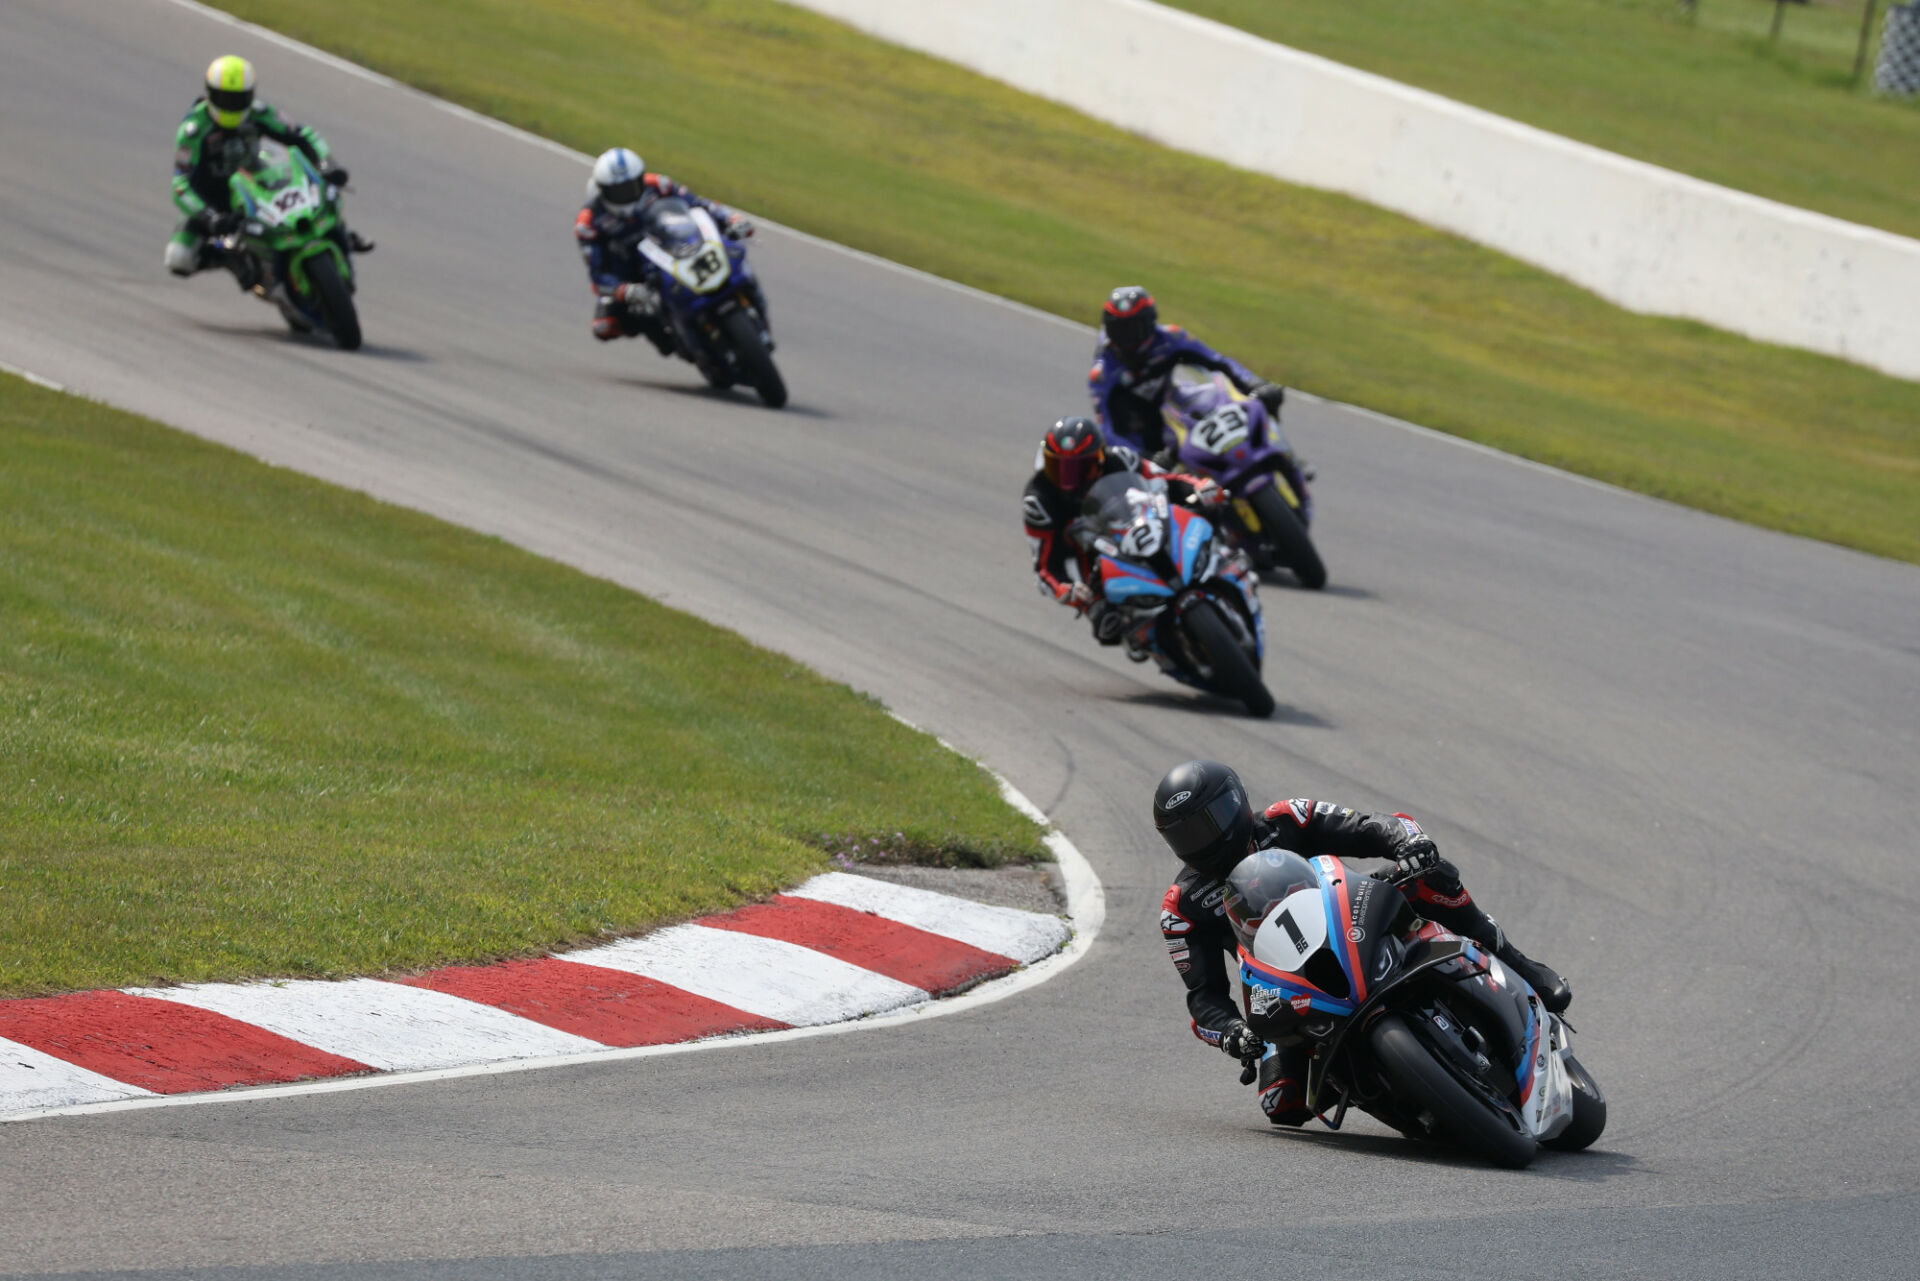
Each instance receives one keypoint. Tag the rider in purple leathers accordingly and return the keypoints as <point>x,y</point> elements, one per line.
<point>609,229</point>
<point>1202,812</point>
<point>1132,366</point>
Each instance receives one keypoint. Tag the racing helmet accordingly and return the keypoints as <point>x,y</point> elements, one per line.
<point>1130,320</point>
<point>620,176</point>
<point>229,90</point>
<point>1073,454</point>
<point>1202,813</point>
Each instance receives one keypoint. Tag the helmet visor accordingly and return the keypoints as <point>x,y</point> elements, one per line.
<point>228,103</point>
<point>622,193</point>
<point>1130,333</point>
<point>1075,473</point>
<point>1195,832</point>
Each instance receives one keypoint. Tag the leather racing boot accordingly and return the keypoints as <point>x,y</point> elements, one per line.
<point>1553,990</point>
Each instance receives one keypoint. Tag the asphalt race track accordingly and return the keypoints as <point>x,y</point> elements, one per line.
<point>1675,755</point>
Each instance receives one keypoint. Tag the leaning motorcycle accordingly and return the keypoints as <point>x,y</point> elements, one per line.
<point>1229,437</point>
<point>712,299</point>
<point>1176,594</point>
<point>1402,1019</point>
<point>290,227</point>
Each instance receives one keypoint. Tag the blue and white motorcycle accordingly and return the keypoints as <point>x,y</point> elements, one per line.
<point>1178,595</point>
<point>712,299</point>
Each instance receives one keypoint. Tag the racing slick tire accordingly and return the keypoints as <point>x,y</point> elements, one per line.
<point>756,362</point>
<point>336,304</point>
<point>1287,538</point>
<point>1444,1108</point>
<point>1589,1110</point>
<point>1233,674</point>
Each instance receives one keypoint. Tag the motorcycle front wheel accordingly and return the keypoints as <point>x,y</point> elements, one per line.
<point>1589,1110</point>
<point>1287,538</point>
<point>756,362</point>
<point>336,304</point>
<point>1233,672</point>
<point>1444,1108</point>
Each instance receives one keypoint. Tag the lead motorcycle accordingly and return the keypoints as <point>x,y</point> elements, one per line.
<point>1226,436</point>
<point>1182,598</point>
<point>712,299</point>
<point>1404,1020</point>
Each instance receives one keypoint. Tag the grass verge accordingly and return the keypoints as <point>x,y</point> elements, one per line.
<point>253,724</point>
<point>1712,97</point>
<point>827,130</point>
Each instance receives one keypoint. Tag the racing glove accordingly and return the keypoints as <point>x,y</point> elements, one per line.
<point>739,226</point>
<point>1241,1043</point>
<point>1271,395</point>
<point>335,175</point>
<point>1419,857</point>
<point>1209,493</point>
<point>1076,595</point>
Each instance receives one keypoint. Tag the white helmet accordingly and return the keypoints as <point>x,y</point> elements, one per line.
<point>617,174</point>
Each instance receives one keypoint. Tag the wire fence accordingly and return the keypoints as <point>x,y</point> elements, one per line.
<point>1865,43</point>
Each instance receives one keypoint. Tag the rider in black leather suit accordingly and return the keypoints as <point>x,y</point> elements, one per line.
<point>1201,810</point>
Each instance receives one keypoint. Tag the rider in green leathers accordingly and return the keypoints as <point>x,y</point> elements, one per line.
<point>220,135</point>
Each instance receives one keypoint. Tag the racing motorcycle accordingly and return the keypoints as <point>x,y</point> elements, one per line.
<point>712,299</point>
<point>1172,590</point>
<point>1404,1020</point>
<point>1229,437</point>
<point>289,225</point>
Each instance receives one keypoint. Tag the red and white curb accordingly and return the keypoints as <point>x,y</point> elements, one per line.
<point>839,947</point>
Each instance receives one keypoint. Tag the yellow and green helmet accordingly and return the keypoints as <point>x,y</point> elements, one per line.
<point>229,90</point>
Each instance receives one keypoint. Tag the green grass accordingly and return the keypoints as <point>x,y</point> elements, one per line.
<point>252,724</point>
<point>1714,98</point>
<point>811,123</point>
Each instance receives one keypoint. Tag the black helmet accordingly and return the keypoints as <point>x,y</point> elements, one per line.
<point>1204,816</point>
<point>1130,321</point>
<point>1073,454</point>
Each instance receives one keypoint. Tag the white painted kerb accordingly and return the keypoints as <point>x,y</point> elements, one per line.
<point>1642,236</point>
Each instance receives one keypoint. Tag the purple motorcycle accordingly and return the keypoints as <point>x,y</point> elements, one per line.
<point>1219,433</point>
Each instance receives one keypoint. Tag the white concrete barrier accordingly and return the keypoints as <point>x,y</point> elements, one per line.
<point>1644,237</point>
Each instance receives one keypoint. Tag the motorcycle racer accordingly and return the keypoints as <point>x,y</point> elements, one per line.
<point>220,136</point>
<point>1201,810</point>
<point>609,229</point>
<point>1133,361</point>
<point>1073,455</point>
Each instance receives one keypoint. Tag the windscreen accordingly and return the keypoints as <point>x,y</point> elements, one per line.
<point>671,224</point>
<point>1111,501</point>
<point>1260,883</point>
<point>1193,392</point>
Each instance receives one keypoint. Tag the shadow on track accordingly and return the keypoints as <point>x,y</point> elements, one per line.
<point>1591,1166</point>
<point>1211,705</point>
<point>732,395</point>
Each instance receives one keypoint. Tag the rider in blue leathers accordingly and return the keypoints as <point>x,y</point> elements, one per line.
<point>609,229</point>
<point>1133,364</point>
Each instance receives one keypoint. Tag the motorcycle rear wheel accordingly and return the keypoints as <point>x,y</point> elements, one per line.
<point>756,362</point>
<point>1589,1110</point>
<point>1287,538</point>
<point>1233,674</point>
<point>336,304</point>
<point>1447,1109</point>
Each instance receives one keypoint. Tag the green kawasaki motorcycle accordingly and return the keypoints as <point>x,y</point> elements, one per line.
<point>293,233</point>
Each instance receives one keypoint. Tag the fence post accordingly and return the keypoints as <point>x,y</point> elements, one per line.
<point>1866,38</point>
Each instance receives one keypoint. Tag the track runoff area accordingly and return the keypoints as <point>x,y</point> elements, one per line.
<point>1671,753</point>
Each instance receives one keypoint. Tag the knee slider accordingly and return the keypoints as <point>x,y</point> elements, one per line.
<point>183,258</point>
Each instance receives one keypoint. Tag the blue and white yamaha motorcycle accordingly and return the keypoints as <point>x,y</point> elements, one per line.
<point>712,299</point>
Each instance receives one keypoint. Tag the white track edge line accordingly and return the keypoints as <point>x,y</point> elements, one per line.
<point>1086,912</point>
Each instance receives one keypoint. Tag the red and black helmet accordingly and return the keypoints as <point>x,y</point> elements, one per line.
<point>1073,454</point>
<point>1130,320</point>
